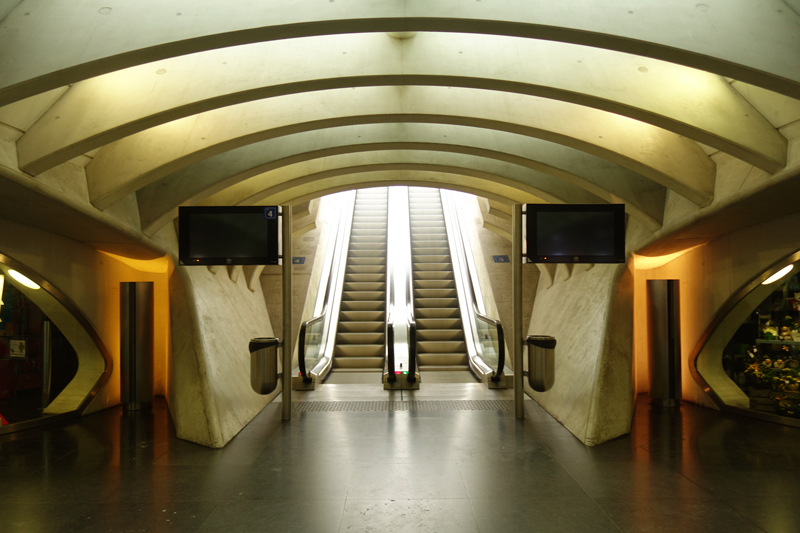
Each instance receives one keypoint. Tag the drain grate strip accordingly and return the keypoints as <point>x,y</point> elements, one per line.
<point>406,405</point>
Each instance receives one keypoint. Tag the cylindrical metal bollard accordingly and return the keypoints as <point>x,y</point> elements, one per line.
<point>664,341</point>
<point>264,364</point>
<point>541,362</point>
<point>136,345</point>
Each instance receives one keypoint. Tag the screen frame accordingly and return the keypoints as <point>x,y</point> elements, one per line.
<point>533,256</point>
<point>185,257</point>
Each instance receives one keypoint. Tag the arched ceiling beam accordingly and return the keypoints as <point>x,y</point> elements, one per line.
<point>136,161</point>
<point>44,45</point>
<point>696,104</point>
<point>159,201</point>
<point>548,188</point>
<point>303,189</point>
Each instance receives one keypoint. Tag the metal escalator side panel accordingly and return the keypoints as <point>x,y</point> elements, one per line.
<point>468,289</point>
<point>329,295</point>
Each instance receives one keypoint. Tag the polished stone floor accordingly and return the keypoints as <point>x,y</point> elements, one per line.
<point>692,470</point>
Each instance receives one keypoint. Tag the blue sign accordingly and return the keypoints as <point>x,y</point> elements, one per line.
<point>271,212</point>
<point>501,259</point>
<point>298,260</point>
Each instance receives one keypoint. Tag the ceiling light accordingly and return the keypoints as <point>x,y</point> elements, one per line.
<point>24,280</point>
<point>778,275</point>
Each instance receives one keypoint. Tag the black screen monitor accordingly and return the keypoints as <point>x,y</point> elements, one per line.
<point>240,235</point>
<point>576,233</point>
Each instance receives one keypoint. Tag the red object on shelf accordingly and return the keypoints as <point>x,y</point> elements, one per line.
<point>3,421</point>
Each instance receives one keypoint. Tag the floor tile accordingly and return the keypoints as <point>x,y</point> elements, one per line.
<point>417,481</point>
<point>155,517</point>
<point>675,516</point>
<point>542,515</point>
<point>540,476</point>
<point>408,516</point>
<point>318,516</point>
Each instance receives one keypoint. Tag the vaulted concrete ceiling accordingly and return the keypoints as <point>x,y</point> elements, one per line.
<point>183,102</point>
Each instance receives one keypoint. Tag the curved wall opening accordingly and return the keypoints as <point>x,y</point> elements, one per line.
<point>748,361</point>
<point>52,363</point>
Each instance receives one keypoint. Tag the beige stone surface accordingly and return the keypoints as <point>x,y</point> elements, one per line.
<point>590,316</point>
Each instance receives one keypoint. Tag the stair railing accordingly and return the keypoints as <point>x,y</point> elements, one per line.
<point>483,334</point>
<point>318,334</point>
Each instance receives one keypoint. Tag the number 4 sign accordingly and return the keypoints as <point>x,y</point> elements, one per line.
<point>271,212</point>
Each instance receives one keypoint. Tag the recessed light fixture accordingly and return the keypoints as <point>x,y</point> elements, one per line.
<point>778,275</point>
<point>23,280</point>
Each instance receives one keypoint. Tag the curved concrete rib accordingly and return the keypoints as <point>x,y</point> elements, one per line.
<point>158,203</point>
<point>101,110</point>
<point>44,45</point>
<point>303,190</point>
<point>548,188</point>
<point>668,159</point>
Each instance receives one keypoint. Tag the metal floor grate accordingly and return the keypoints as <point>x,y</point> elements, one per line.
<point>406,405</point>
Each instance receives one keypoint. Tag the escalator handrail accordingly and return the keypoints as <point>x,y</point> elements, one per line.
<point>333,257</point>
<point>473,287</point>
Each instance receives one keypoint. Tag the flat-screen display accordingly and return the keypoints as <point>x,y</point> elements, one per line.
<point>240,235</point>
<point>576,233</point>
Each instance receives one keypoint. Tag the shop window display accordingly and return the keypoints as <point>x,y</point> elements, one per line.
<point>24,368</point>
<point>763,357</point>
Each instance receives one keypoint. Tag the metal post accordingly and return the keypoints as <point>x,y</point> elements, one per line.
<point>288,335</point>
<point>516,307</point>
<point>47,363</point>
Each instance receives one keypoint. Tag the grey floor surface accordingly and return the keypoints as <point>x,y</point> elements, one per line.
<point>690,470</point>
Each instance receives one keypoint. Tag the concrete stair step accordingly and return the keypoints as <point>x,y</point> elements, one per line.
<point>364,286</point>
<point>435,293</point>
<point>442,347</point>
<point>435,284</point>
<point>365,278</point>
<point>352,254</point>
<point>377,370</point>
<point>366,316</point>
<point>440,335</point>
<point>438,323</point>
<point>437,312</point>
<point>359,337</point>
<point>365,269</point>
<point>430,250</point>
<point>362,305</point>
<point>448,358</point>
<point>433,274</point>
<point>347,326</point>
<point>368,246</point>
<point>432,266</point>
<point>442,368</point>
<point>367,231</point>
<point>366,260</point>
<point>420,303</point>
<point>352,364</point>
<point>430,258</point>
<point>364,296</point>
<point>359,350</point>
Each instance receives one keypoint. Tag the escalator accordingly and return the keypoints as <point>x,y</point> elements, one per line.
<point>399,293</point>
<point>440,334</point>
<point>360,337</point>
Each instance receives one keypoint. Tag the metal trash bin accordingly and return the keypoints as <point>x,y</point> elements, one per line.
<point>541,362</point>
<point>264,364</point>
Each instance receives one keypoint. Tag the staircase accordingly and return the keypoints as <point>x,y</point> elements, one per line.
<point>362,316</point>
<point>440,335</point>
